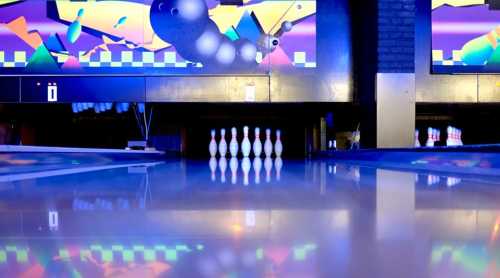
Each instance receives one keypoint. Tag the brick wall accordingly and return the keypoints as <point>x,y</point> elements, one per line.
<point>396,36</point>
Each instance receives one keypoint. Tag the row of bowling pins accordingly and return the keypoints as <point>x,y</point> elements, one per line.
<point>433,136</point>
<point>450,181</point>
<point>454,137</point>
<point>98,107</point>
<point>246,165</point>
<point>246,146</point>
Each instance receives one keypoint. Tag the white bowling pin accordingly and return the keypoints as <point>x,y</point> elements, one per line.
<point>430,137</point>
<point>278,164</point>
<point>257,166</point>
<point>268,166</point>
<point>233,145</point>
<point>417,141</point>
<point>223,167</point>
<point>212,147</point>
<point>233,165</point>
<point>213,166</point>
<point>257,145</point>
<point>449,139</point>
<point>460,143</point>
<point>268,145</point>
<point>222,143</point>
<point>455,137</point>
<point>278,146</point>
<point>245,166</point>
<point>245,144</point>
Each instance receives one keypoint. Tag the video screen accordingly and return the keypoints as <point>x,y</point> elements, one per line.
<point>465,36</point>
<point>156,36</point>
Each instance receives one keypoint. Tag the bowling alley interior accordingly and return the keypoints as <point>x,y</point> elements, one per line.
<point>250,138</point>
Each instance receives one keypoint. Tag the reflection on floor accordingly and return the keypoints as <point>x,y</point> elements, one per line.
<point>242,218</point>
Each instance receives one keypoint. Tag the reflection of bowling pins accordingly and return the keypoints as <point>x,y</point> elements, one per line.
<point>268,166</point>
<point>257,145</point>
<point>222,144</point>
<point>268,145</point>
<point>278,146</point>
<point>257,166</point>
<point>246,165</point>
<point>245,144</point>
<point>223,167</point>
<point>433,179</point>
<point>213,166</point>
<point>233,165</point>
<point>357,174</point>
<point>212,147</point>
<point>451,181</point>
<point>233,144</point>
<point>278,164</point>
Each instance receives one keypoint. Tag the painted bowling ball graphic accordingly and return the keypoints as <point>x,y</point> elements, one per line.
<point>186,25</point>
<point>204,48</point>
<point>246,52</point>
<point>226,54</point>
<point>178,21</point>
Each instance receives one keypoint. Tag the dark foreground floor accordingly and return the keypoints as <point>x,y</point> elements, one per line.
<point>310,218</point>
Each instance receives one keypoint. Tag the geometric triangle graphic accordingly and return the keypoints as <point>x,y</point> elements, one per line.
<point>277,58</point>
<point>54,43</point>
<point>19,27</point>
<point>232,34</point>
<point>42,61</point>
<point>249,27</point>
<point>71,63</point>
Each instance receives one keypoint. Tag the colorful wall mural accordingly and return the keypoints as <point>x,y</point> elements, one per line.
<point>465,36</point>
<point>156,36</point>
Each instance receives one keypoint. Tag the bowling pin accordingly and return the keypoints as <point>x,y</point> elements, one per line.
<point>233,144</point>
<point>268,145</point>
<point>430,137</point>
<point>268,166</point>
<point>102,106</point>
<point>278,164</point>
<point>449,136</point>
<point>108,105</point>
<point>223,167</point>
<point>245,166</point>
<point>245,144</point>
<point>459,137</point>
<point>454,133</point>
<point>212,147</point>
<point>257,145</point>
<point>257,166</point>
<point>417,141</point>
<point>75,28</point>
<point>278,146</point>
<point>222,143</point>
<point>233,165</point>
<point>213,166</point>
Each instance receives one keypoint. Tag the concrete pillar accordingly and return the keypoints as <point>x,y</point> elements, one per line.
<point>395,110</point>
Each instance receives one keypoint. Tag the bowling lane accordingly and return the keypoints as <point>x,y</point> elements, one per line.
<point>293,218</point>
